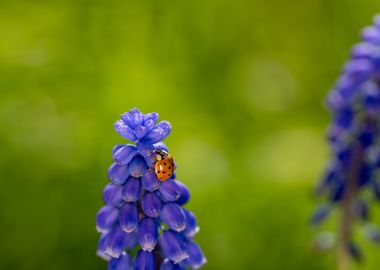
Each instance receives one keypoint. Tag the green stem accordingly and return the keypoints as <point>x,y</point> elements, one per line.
<point>347,218</point>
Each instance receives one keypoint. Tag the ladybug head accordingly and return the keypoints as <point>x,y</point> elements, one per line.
<point>160,154</point>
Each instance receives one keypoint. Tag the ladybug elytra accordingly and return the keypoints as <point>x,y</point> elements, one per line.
<point>164,165</point>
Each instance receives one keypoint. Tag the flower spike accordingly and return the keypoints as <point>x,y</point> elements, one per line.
<point>144,215</point>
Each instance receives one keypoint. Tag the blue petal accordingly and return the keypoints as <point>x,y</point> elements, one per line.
<point>335,100</point>
<point>106,218</point>
<point>169,265</point>
<point>320,214</point>
<point>173,246</point>
<point>148,234</point>
<point>149,124</point>
<point>149,120</point>
<point>133,118</point>
<point>355,251</point>
<point>102,247</point>
<point>185,194</point>
<point>146,150</point>
<point>131,190</point>
<point>131,241</point>
<point>192,227</point>
<point>367,136</point>
<point>173,215</point>
<point>137,167</point>
<point>124,155</point>
<point>124,262</point>
<point>371,96</point>
<point>116,242</point>
<point>337,191</point>
<point>371,34</point>
<point>344,156</point>
<point>365,175</point>
<point>196,258</point>
<point>151,205</point>
<point>160,146</point>
<point>140,131</point>
<point>344,118</point>
<point>112,194</point>
<point>118,174</point>
<point>150,182</point>
<point>372,233</point>
<point>170,190</point>
<point>324,241</point>
<point>334,134</point>
<point>361,209</point>
<point>359,70</point>
<point>344,89</point>
<point>363,50</point>
<point>116,148</point>
<point>331,174</point>
<point>128,217</point>
<point>376,189</point>
<point>160,132</point>
<point>124,131</point>
<point>144,261</point>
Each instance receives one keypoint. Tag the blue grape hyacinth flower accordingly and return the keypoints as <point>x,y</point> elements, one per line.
<point>351,180</point>
<point>143,224</point>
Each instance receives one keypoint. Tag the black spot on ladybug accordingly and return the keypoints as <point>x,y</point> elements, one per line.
<point>164,172</point>
<point>164,163</point>
<point>169,167</point>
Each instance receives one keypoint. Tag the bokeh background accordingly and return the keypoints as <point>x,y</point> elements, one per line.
<point>242,83</point>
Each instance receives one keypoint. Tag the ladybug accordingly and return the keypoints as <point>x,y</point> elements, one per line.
<point>164,165</point>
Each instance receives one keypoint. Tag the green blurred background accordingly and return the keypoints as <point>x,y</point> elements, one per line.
<point>243,84</point>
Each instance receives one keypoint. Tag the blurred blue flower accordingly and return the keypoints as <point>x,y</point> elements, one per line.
<point>353,135</point>
<point>142,215</point>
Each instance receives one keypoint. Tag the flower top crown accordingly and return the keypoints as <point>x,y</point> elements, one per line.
<point>141,128</point>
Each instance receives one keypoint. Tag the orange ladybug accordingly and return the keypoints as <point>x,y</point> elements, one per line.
<point>164,165</point>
